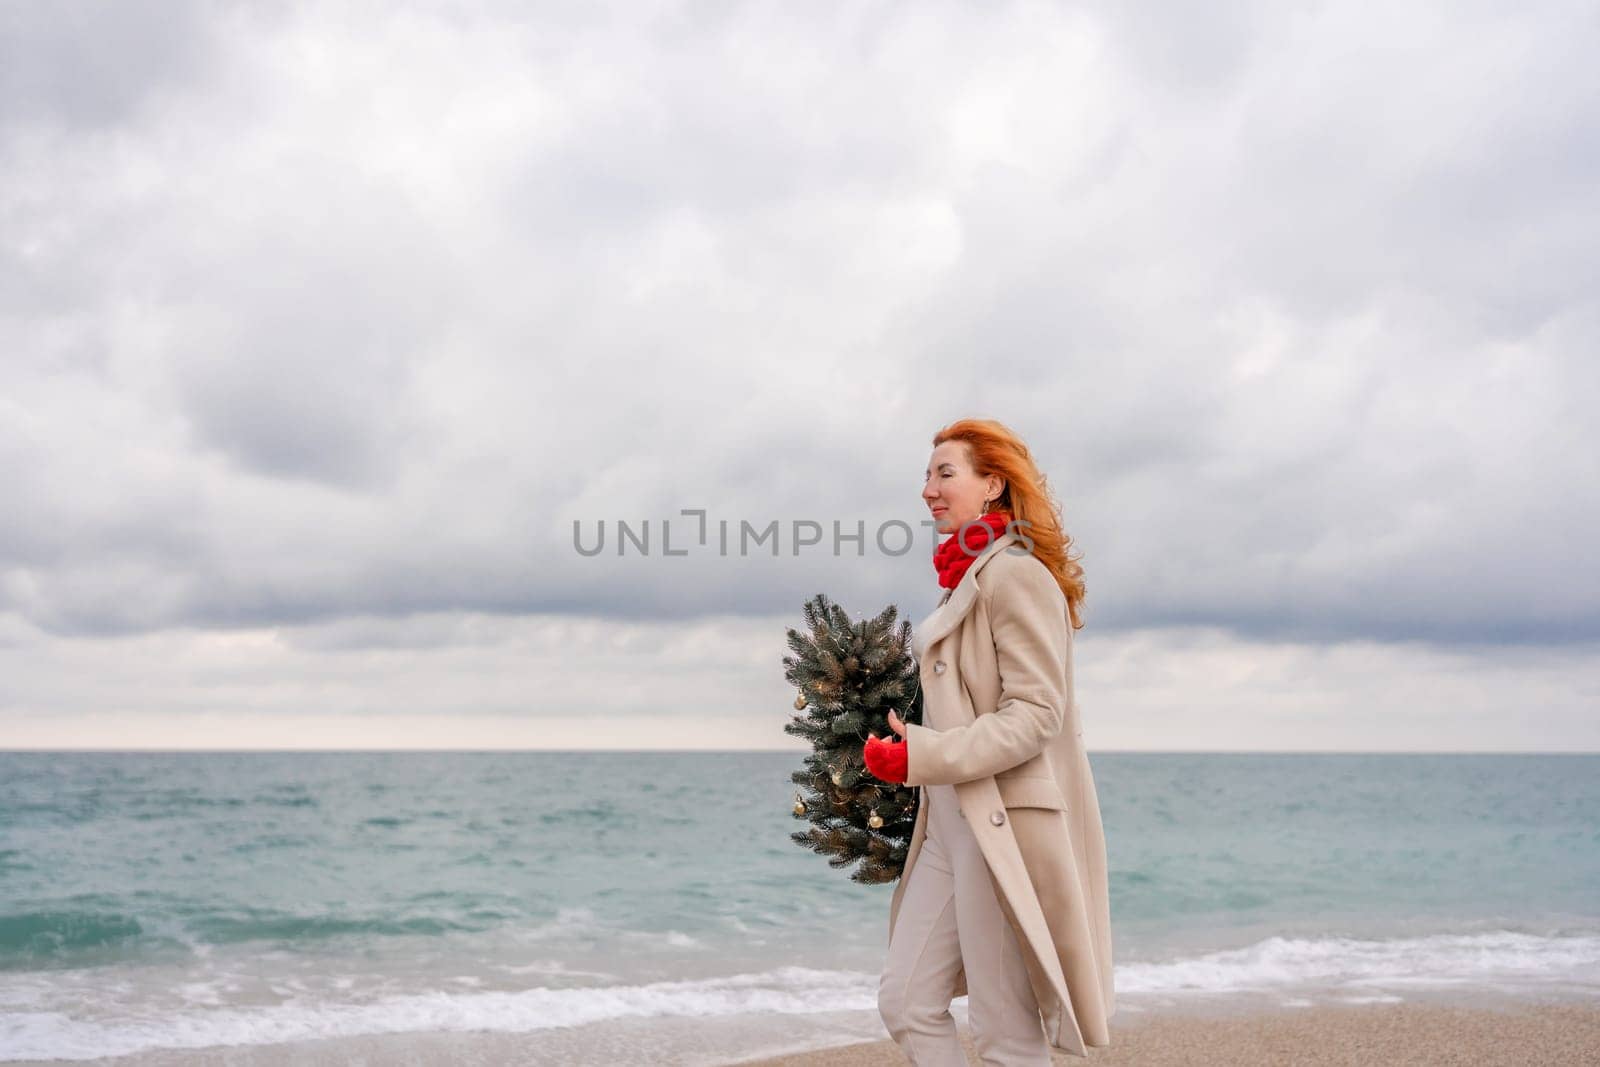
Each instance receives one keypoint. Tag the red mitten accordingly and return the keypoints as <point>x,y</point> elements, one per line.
<point>885,759</point>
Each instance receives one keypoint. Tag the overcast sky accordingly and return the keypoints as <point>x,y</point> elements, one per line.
<point>321,326</point>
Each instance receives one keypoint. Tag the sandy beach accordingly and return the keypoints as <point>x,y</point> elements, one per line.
<point>1552,1034</point>
<point>1546,1035</point>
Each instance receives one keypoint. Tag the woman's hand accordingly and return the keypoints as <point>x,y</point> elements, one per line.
<point>886,760</point>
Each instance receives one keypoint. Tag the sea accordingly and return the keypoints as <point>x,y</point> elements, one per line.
<point>650,907</point>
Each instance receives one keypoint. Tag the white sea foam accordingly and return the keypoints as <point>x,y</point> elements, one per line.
<point>1497,960</point>
<point>568,922</point>
<point>787,990</point>
<point>1298,971</point>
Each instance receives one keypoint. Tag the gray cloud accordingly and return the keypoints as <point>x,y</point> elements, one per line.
<point>91,66</point>
<point>320,321</point>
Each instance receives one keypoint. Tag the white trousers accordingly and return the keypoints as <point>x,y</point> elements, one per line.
<point>949,919</point>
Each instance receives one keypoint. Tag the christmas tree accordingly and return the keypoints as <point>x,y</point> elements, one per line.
<point>850,676</point>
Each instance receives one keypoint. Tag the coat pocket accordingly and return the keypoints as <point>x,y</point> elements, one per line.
<point>1030,791</point>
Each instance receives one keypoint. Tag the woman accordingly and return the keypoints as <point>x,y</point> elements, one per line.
<point>1003,897</point>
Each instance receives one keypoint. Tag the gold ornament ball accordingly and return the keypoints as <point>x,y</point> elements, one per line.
<point>799,805</point>
<point>800,702</point>
<point>875,820</point>
<point>838,779</point>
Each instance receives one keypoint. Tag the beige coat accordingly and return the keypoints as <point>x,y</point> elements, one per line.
<point>997,658</point>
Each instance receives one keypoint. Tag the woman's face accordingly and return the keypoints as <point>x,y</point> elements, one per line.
<point>953,492</point>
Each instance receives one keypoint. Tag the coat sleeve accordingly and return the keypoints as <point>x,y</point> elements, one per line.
<point>1029,625</point>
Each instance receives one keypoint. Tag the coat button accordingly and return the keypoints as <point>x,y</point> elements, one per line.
<point>938,666</point>
<point>998,818</point>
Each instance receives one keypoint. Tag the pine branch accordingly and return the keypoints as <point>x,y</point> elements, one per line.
<point>851,675</point>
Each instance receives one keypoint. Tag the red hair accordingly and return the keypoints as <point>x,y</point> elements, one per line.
<point>993,448</point>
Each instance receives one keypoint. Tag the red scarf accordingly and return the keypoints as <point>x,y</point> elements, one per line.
<point>952,561</point>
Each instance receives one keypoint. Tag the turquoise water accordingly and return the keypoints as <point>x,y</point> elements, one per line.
<point>156,900</point>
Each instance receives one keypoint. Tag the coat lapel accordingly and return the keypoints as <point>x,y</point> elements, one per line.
<point>965,593</point>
